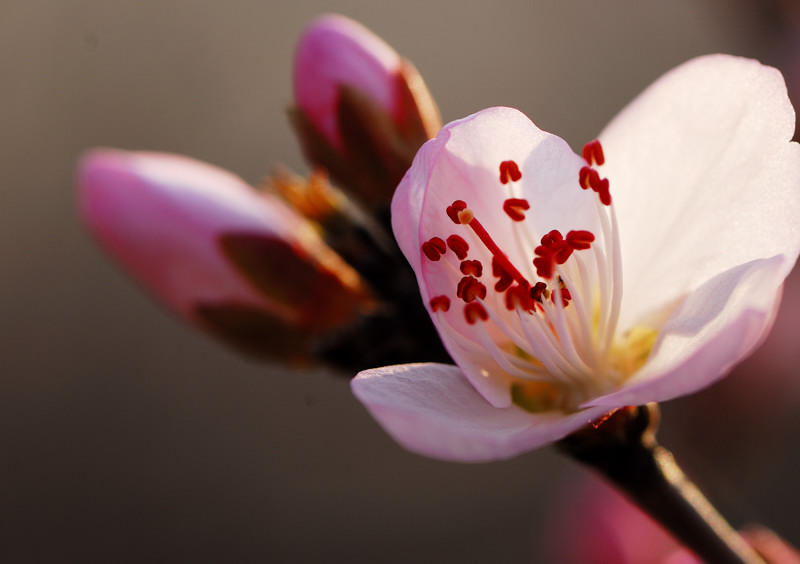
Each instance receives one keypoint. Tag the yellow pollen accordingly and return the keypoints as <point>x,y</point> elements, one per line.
<point>535,397</point>
<point>630,353</point>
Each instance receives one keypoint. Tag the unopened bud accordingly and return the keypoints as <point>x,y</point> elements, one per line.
<point>239,264</point>
<point>362,110</point>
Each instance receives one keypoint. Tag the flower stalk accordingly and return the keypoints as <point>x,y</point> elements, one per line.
<point>623,448</point>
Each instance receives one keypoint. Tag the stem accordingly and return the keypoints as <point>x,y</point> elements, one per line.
<point>623,448</point>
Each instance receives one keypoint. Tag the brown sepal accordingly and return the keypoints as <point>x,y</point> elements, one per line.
<point>319,289</point>
<point>419,118</point>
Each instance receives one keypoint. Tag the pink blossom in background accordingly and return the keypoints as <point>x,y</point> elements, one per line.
<point>772,548</point>
<point>565,286</point>
<point>592,523</point>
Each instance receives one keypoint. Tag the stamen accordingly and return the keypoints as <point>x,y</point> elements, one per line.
<point>564,292</point>
<point>582,309</point>
<point>539,291</point>
<point>545,347</point>
<point>554,244</point>
<point>532,365</point>
<point>555,314</point>
<point>470,288</point>
<point>505,279</point>
<point>593,153</point>
<point>458,245</point>
<point>519,297</point>
<point>472,267</point>
<point>452,211</point>
<point>602,190</point>
<point>514,208</point>
<point>584,177</point>
<point>440,303</point>
<point>590,178</point>
<point>504,359</point>
<point>509,171</point>
<point>544,263</point>
<point>474,311</point>
<point>616,265</point>
<point>562,331</point>
<point>552,238</point>
<point>434,248</point>
<point>580,240</point>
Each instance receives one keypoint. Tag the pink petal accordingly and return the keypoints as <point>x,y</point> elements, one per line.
<point>335,51</point>
<point>716,327</point>
<point>431,409</point>
<point>703,177</point>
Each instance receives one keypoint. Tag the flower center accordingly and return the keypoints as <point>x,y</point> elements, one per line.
<point>550,324</point>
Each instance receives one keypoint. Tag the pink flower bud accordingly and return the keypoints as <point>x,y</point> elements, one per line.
<point>336,51</point>
<point>236,262</point>
<point>362,110</point>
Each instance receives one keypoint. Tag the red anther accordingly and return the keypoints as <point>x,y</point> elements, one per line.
<point>585,177</point>
<point>552,238</point>
<point>602,191</point>
<point>474,311</point>
<point>472,268</point>
<point>509,171</point>
<point>544,265</point>
<point>593,153</point>
<point>518,296</point>
<point>458,245</point>
<point>514,208</point>
<point>497,268</point>
<point>434,248</point>
<point>565,297</point>
<point>594,181</point>
<point>505,278</point>
<point>553,246</point>
<point>470,288</point>
<point>580,240</point>
<point>589,178</point>
<point>504,282</point>
<point>452,211</point>
<point>539,291</point>
<point>440,303</point>
<point>561,252</point>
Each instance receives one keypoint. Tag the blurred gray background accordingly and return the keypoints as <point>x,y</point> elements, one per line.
<point>127,437</point>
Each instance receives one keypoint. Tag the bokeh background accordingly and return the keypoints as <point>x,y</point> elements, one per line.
<point>127,437</point>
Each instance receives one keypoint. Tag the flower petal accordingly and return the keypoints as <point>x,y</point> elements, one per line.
<point>703,177</point>
<point>431,409</point>
<point>711,331</point>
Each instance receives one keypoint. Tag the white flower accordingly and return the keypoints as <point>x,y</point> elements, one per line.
<point>565,286</point>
